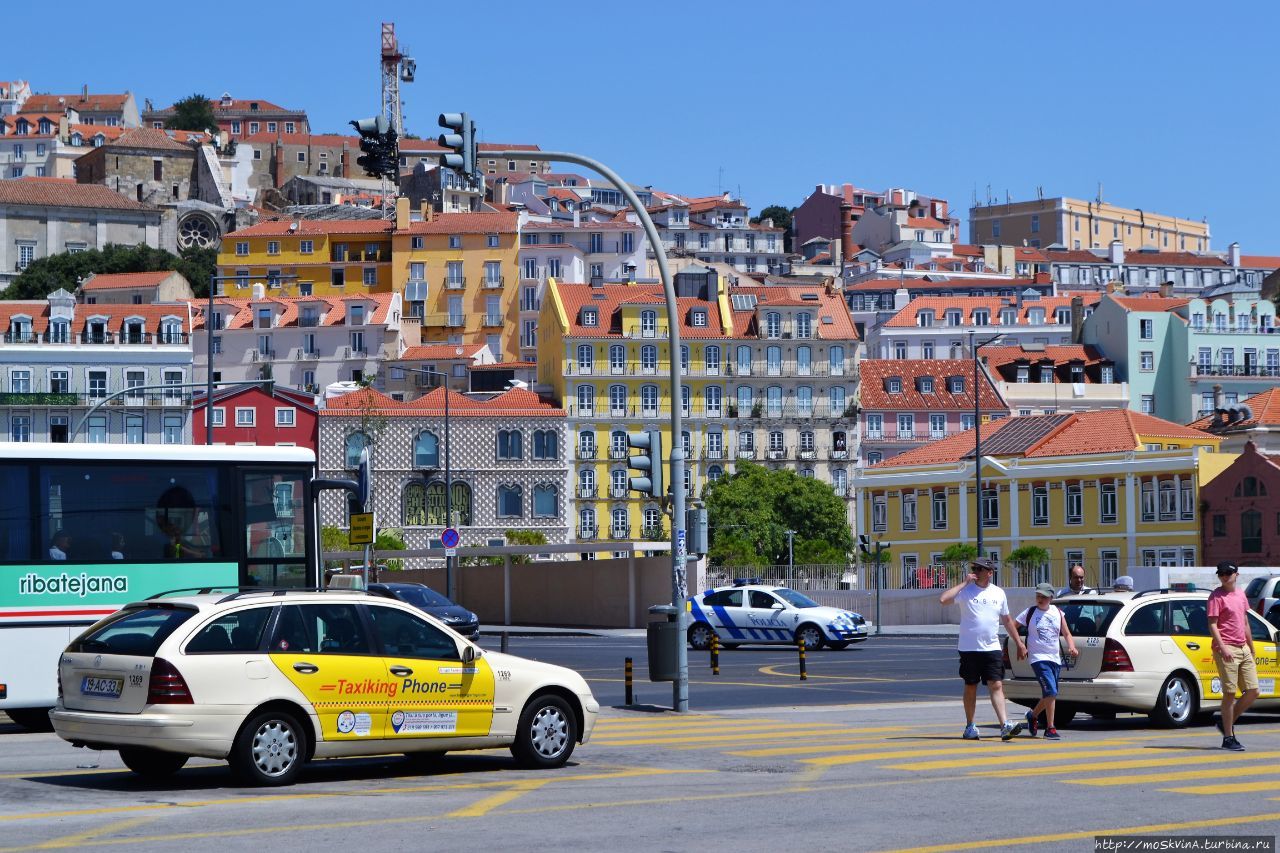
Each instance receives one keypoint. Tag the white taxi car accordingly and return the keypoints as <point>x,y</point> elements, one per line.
<point>1148,652</point>
<point>749,612</point>
<point>270,679</point>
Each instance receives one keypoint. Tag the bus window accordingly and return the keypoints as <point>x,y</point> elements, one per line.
<point>275,528</point>
<point>15,515</point>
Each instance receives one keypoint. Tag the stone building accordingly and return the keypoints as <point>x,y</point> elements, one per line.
<point>508,468</point>
<point>144,164</point>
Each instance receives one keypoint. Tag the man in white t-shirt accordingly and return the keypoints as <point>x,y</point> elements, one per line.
<point>983,609</point>
<point>1045,626</point>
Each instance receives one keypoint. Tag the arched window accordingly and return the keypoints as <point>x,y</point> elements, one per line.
<point>510,501</point>
<point>713,395</point>
<point>804,325</point>
<point>714,473</point>
<point>648,323</point>
<point>414,511</point>
<point>649,400</point>
<point>684,360</point>
<point>59,332</point>
<point>835,357</point>
<point>170,331</point>
<point>804,401</point>
<point>776,441</point>
<point>840,480</point>
<point>685,398</point>
<point>545,444</point>
<point>587,483</point>
<point>774,393</point>
<point>773,325</point>
<point>546,501</point>
<point>586,358</point>
<point>652,522</point>
<point>1168,501</point>
<point>618,444</point>
<point>586,523</point>
<point>618,482</point>
<point>462,504</point>
<point>806,440</point>
<point>744,401</point>
<point>711,359</point>
<point>586,400</point>
<point>586,444</point>
<point>744,360</point>
<point>649,358</point>
<point>435,500</point>
<point>621,527</point>
<point>618,400</point>
<point>617,359</point>
<point>356,442</point>
<point>510,444</point>
<point>426,451</point>
<point>837,397</point>
<point>1251,487</point>
<point>1148,500</point>
<point>804,360</point>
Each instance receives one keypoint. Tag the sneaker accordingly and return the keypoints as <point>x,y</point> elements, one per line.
<point>971,732</point>
<point>1033,725</point>
<point>1052,734</point>
<point>1232,744</point>
<point>1217,721</point>
<point>1010,731</point>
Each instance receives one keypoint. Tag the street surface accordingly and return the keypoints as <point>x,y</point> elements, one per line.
<point>810,773</point>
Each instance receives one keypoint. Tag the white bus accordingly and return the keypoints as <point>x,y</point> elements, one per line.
<point>87,528</point>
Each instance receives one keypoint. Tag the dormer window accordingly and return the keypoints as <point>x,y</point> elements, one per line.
<point>1108,374</point>
<point>773,325</point>
<point>981,317</point>
<point>1062,316</point>
<point>1036,316</point>
<point>590,317</point>
<point>46,127</point>
<point>893,384</point>
<point>21,127</point>
<point>924,384</point>
<point>1024,373</point>
<point>924,318</point>
<point>953,318</point>
<point>979,265</point>
<point>956,384</point>
<point>1008,316</point>
<point>356,315</point>
<point>1077,373</point>
<point>699,317</point>
<point>1046,373</point>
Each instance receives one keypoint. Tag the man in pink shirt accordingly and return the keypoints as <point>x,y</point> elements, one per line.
<point>1232,652</point>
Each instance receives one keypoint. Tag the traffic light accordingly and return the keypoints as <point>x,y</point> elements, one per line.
<point>864,544</point>
<point>461,143</point>
<point>648,478</point>
<point>378,141</point>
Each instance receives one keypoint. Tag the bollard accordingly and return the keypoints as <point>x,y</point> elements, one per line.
<point>715,654</point>
<point>505,639</point>
<point>630,698</point>
<point>804,673</point>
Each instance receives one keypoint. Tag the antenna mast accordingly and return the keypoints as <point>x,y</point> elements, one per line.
<point>395,67</point>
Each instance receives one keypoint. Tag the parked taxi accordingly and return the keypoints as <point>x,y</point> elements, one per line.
<point>270,679</point>
<point>1146,651</point>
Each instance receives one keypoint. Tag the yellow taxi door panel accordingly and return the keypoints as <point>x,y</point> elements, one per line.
<point>436,694</point>
<point>440,698</point>
<point>325,651</point>
<point>1189,632</point>
<point>1264,655</point>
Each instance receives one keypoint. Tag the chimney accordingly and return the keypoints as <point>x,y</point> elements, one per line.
<point>1217,396</point>
<point>1166,289</point>
<point>346,160</point>
<point>84,93</point>
<point>1233,254</point>
<point>278,159</point>
<point>1115,252</point>
<point>402,213</point>
<point>64,128</point>
<point>1077,319</point>
<point>846,228</point>
<point>577,218</point>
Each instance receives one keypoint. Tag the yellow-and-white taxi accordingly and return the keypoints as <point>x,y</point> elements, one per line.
<point>270,679</point>
<point>1148,652</point>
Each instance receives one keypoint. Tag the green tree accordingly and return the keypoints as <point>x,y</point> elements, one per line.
<point>66,269</point>
<point>749,514</point>
<point>524,537</point>
<point>959,552</point>
<point>781,217</point>
<point>194,112</point>
<point>1032,555</point>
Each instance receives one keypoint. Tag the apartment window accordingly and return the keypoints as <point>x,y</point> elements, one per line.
<point>906,426</point>
<point>879,513</point>
<point>1040,505</point>
<point>219,417</point>
<point>1147,362</point>
<point>1107,503</point>
<point>875,426</point>
<point>1186,501</point>
<point>245,417</point>
<point>1146,329</point>
<point>20,428</point>
<point>937,426</point>
<point>285,417</point>
<point>455,241</point>
<point>1148,503</point>
<point>97,384</point>
<point>909,511</point>
<point>773,325</point>
<point>1075,504</point>
<point>510,444</point>
<point>510,501</point>
<point>273,247</point>
<point>940,509</point>
<point>804,325</point>
<point>1148,404</point>
<point>1035,223</point>
<point>306,247</point>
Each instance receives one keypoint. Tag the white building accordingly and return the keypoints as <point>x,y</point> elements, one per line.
<point>717,229</point>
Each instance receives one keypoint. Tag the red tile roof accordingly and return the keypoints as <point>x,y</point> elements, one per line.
<point>925,222</point>
<point>1264,407</point>
<point>151,139</point>
<point>941,279</point>
<point>440,352</point>
<point>1148,302</point>
<point>1173,259</point>
<point>465,223</point>
<point>38,311</point>
<point>1075,256</point>
<point>906,318</point>
<point>238,105</point>
<point>516,403</point>
<point>1058,355</point>
<point>875,396</point>
<point>713,202</point>
<point>122,280</point>
<point>56,192</point>
<point>283,227</point>
<point>317,140</point>
<point>56,103</point>
<point>1070,434</point>
<point>333,309</point>
<point>1267,262</point>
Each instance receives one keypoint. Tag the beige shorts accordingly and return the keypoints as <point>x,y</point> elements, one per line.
<point>1237,670</point>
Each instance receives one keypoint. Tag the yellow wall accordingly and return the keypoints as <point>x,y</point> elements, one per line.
<point>314,267</point>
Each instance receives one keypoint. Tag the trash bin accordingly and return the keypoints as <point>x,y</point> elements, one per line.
<point>663,636</point>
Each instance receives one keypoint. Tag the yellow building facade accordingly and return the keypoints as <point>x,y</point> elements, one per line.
<point>460,277</point>
<point>307,257</point>
<point>1079,224</point>
<point>1057,482</point>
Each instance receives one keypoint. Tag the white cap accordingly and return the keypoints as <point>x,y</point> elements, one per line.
<point>1124,583</point>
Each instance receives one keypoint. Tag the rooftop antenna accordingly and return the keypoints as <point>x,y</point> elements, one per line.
<point>720,181</point>
<point>1040,193</point>
<point>1099,192</point>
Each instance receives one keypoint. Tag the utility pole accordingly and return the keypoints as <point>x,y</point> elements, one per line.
<point>977,433</point>
<point>791,557</point>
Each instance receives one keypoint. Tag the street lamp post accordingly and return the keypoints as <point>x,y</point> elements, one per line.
<point>977,433</point>
<point>448,472</point>
<point>679,545</point>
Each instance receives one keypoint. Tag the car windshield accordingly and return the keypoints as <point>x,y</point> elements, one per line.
<point>795,599</point>
<point>133,631</point>
<point>1089,618</point>
<point>421,596</point>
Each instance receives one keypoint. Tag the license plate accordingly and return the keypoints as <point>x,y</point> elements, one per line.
<point>106,688</point>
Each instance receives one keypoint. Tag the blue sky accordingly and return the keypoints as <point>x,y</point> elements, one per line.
<point>1171,106</point>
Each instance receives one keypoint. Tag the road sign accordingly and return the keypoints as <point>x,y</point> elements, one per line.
<point>361,528</point>
<point>451,552</point>
<point>449,538</point>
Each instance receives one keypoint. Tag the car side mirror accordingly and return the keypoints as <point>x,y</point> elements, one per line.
<point>470,653</point>
<point>777,606</point>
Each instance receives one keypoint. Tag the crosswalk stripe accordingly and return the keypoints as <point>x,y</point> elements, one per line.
<point>1041,757</point>
<point>1174,776</point>
<point>701,739</point>
<point>1093,767</point>
<point>1226,788</point>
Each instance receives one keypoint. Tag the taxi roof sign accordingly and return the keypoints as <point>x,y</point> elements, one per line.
<point>361,528</point>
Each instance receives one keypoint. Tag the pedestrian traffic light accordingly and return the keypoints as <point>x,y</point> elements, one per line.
<point>648,477</point>
<point>379,143</point>
<point>461,143</point>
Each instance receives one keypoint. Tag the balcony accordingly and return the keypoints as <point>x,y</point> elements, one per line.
<point>260,355</point>
<point>839,454</point>
<point>494,283</point>
<point>617,453</point>
<point>746,453</point>
<point>1251,371</point>
<point>620,532</point>
<point>808,454</point>
<point>456,321</point>
<point>1236,330</point>
<point>586,491</point>
<point>451,283</point>
<point>619,491</point>
<point>308,354</point>
<point>586,533</point>
<point>780,453</point>
<point>586,452</point>
<point>39,398</point>
<point>713,454</point>
<point>493,320</point>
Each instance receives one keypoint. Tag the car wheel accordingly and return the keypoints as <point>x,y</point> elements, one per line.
<point>839,645</point>
<point>31,719</point>
<point>547,733</point>
<point>152,763</point>
<point>270,749</point>
<point>812,636</point>
<point>700,634</point>
<point>1063,714</point>
<point>1176,704</point>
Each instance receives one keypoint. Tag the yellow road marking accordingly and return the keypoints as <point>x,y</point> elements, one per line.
<point>488,804</point>
<point>614,734</point>
<point>729,738</point>
<point>1041,757</point>
<point>996,843</point>
<point>1226,788</point>
<point>79,838</point>
<point>773,670</point>
<point>1164,776</point>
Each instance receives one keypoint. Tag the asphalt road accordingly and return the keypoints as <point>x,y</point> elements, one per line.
<point>835,777</point>
<point>883,669</point>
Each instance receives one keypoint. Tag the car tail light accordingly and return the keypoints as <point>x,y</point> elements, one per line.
<point>167,687</point>
<point>1115,658</point>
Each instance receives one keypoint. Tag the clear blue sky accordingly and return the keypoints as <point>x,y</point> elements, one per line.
<point>1170,105</point>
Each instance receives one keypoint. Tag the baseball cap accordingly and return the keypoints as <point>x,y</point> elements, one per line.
<point>1124,582</point>
<point>983,563</point>
<point>1045,589</point>
<point>1226,567</point>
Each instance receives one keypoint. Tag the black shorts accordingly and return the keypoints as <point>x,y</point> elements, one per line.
<point>978,667</point>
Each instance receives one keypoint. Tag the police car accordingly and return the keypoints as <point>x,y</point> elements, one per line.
<point>1149,652</point>
<point>270,679</point>
<point>752,612</point>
